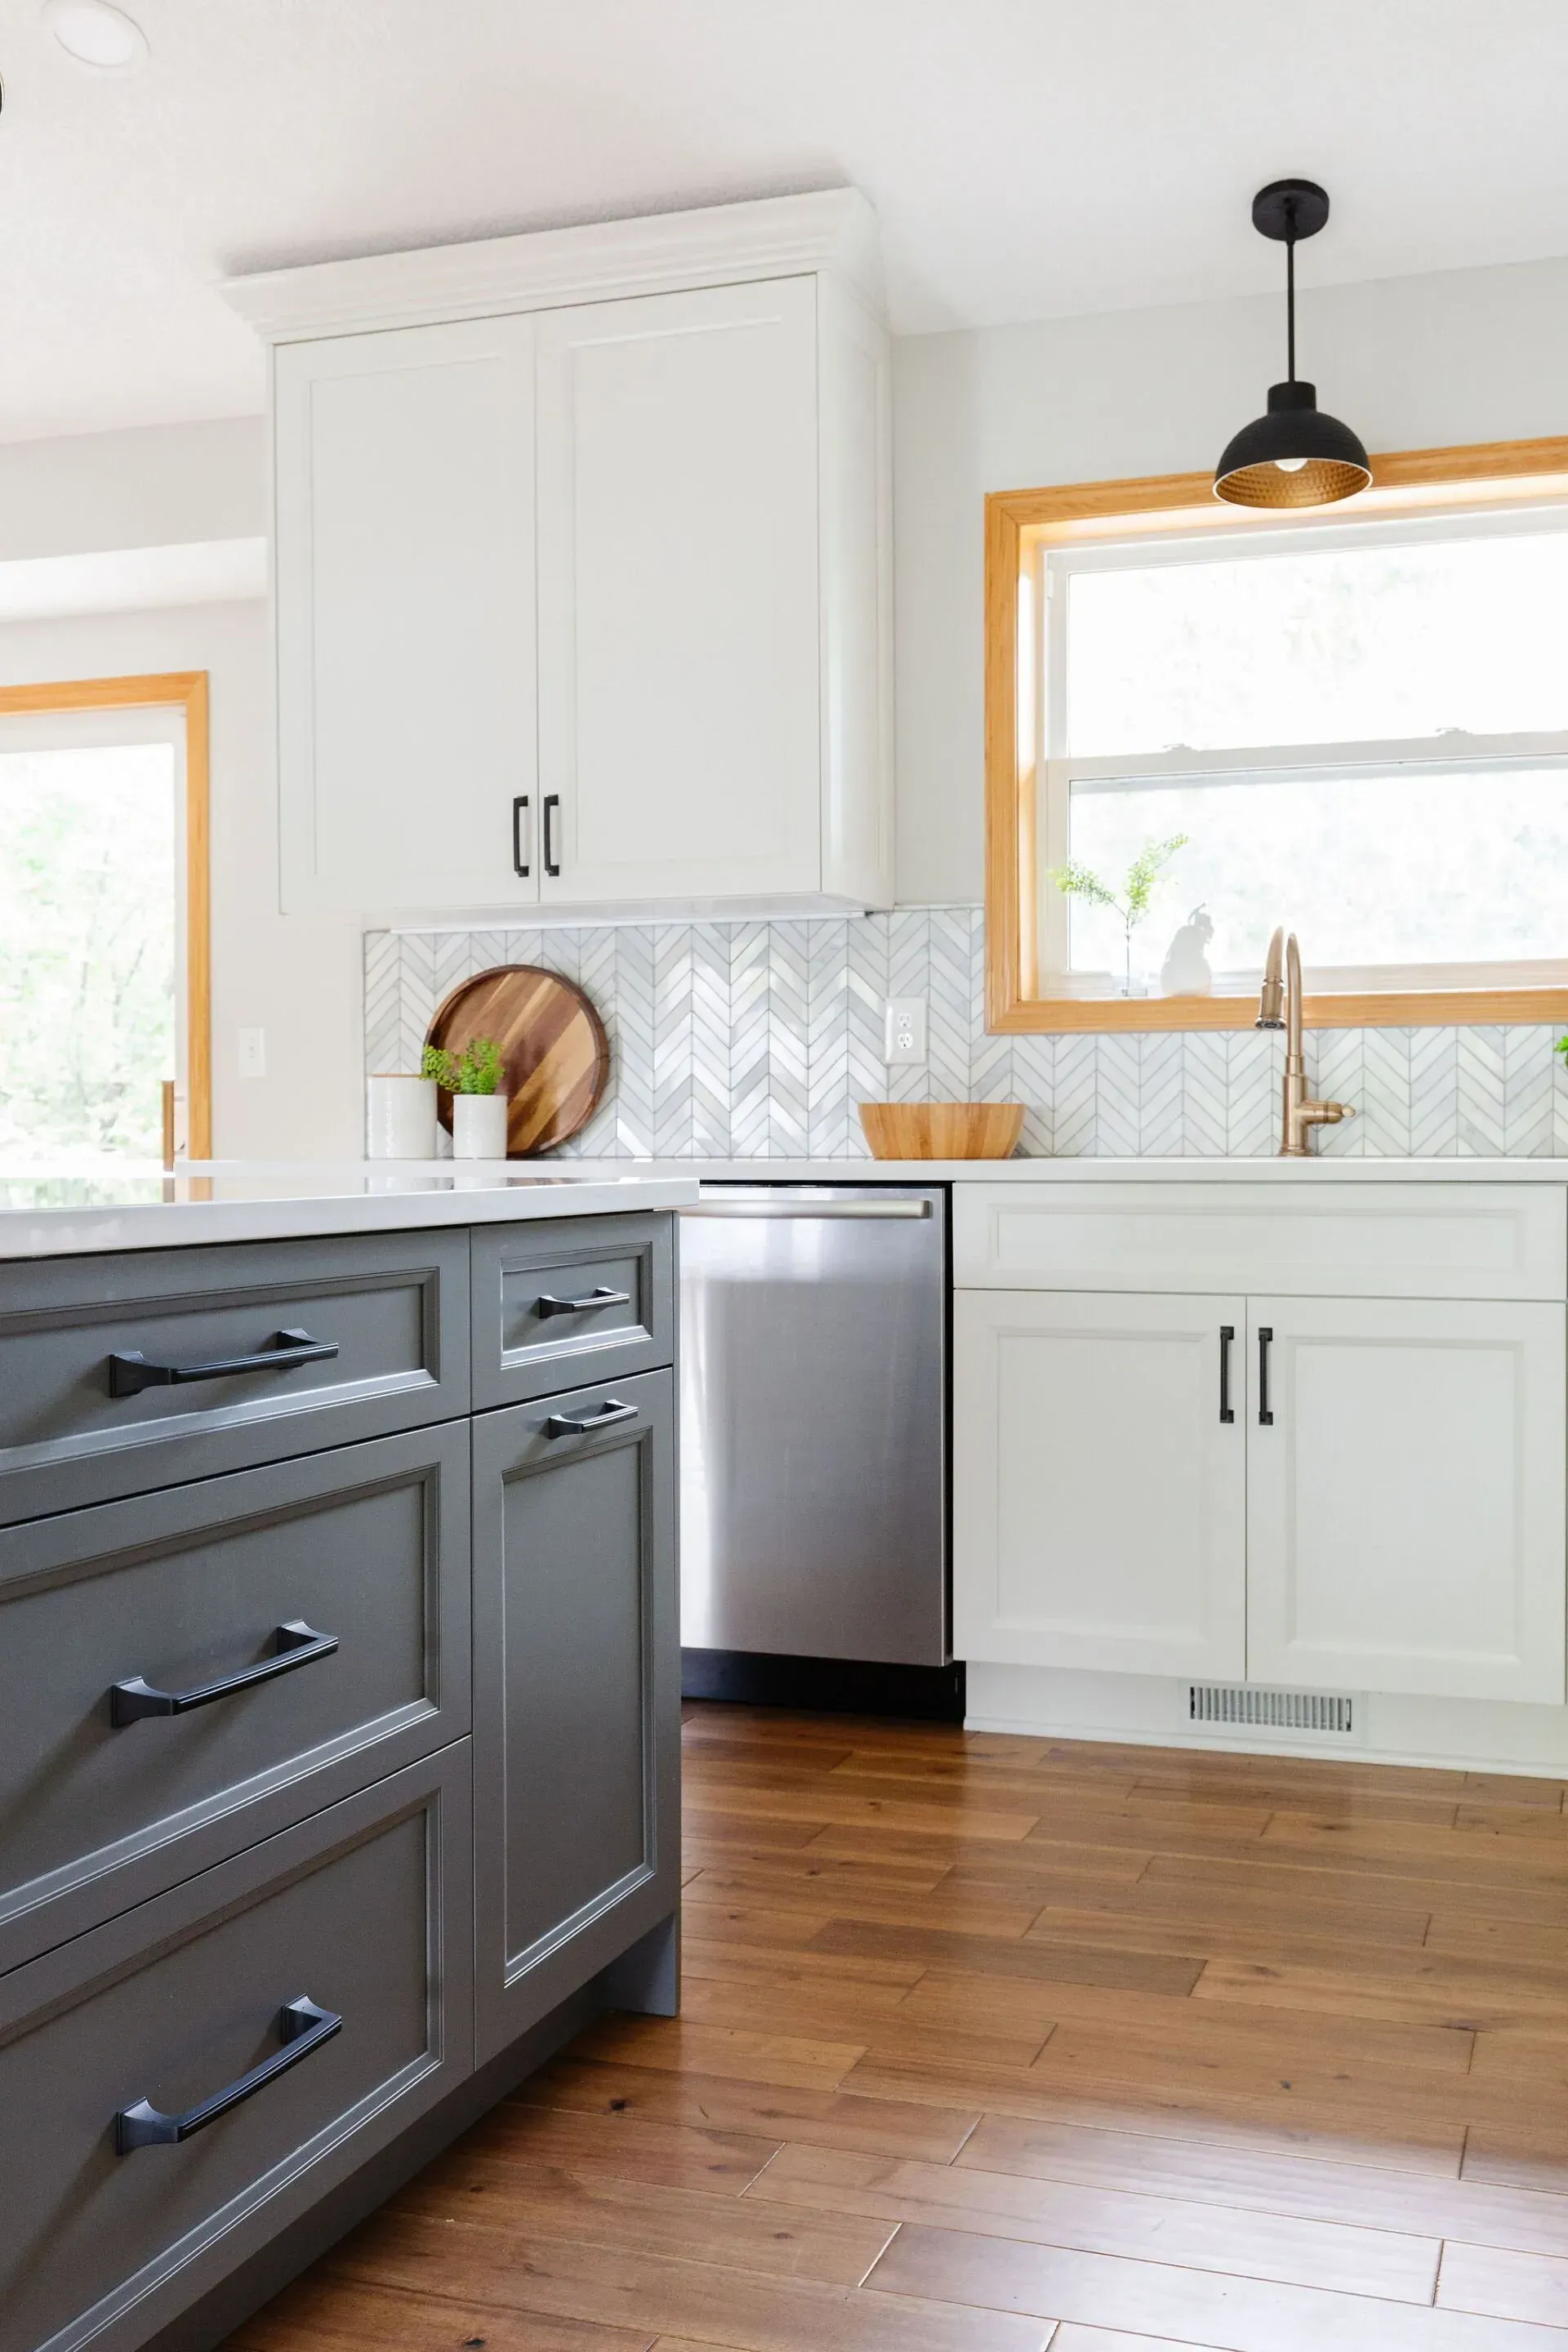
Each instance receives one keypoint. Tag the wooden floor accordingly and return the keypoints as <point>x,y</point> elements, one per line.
<point>991,2044</point>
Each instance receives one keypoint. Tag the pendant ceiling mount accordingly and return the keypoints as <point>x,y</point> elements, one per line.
<point>1293,456</point>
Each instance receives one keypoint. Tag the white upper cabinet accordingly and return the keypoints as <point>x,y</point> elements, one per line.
<point>582,568</point>
<point>679,714</point>
<point>404,572</point>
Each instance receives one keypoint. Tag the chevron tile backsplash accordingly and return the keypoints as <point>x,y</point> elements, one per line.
<point>757,1041</point>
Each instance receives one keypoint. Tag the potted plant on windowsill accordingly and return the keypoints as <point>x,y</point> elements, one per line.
<point>473,1079</point>
<point>1078,881</point>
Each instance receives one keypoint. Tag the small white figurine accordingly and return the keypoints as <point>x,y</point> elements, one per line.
<point>1185,971</point>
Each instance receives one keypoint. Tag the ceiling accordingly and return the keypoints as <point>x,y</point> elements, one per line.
<point>1029,158</point>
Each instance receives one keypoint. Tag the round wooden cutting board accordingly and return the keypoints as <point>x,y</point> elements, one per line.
<point>552,1041</point>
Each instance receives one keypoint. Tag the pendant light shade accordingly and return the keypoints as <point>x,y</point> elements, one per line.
<point>1294,456</point>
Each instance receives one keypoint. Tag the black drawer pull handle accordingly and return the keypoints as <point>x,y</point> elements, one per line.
<point>569,1425</point>
<point>1227,1334</point>
<point>303,2027</point>
<point>1265,1416</point>
<point>130,1372</point>
<point>519,863</point>
<point>551,857</point>
<point>297,1644</point>
<point>546,1305</point>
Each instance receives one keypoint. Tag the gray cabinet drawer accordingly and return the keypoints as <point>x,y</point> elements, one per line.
<point>576,1693</point>
<point>363,1910</point>
<point>538,1324</point>
<point>189,1588</point>
<point>393,1306</point>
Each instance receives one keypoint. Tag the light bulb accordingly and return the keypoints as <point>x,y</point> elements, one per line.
<point>1289,464</point>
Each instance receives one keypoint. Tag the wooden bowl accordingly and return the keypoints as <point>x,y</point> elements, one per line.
<point>941,1130</point>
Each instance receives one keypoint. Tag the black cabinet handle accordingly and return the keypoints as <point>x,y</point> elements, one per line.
<point>1265,1338</point>
<point>297,1644</point>
<point>517,861</point>
<point>130,1372</point>
<point>551,802</point>
<point>1227,1334</point>
<point>546,1305</point>
<point>303,2027</point>
<point>569,1425</point>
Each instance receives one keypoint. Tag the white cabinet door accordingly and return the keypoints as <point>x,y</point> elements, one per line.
<point>680,716</point>
<point>1100,1497</point>
<point>407,727</point>
<point>1405,1502</point>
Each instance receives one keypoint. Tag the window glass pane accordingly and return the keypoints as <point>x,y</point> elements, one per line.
<point>1462,867</point>
<point>87,950</point>
<point>1331,646</point>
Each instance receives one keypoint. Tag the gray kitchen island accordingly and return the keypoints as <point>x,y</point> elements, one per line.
<point>338,1702</point>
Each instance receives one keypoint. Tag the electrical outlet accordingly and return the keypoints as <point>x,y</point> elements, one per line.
<point>904,1030</point>
<point>253,1052</point>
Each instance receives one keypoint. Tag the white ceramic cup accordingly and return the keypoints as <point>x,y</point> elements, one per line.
<point>478,1127</point>
<point>401,1122</point>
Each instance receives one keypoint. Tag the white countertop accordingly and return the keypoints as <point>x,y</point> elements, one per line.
<point>233,1201</point>
<point>1325,1170</point>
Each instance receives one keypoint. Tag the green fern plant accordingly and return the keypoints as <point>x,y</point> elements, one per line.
<point>477,1070</point>
<point>1076,881</point>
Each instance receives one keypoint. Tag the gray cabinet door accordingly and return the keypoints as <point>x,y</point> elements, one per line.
<point>368,1546</point>
<point>362,1911</point>
<point>591,1300</point>
<point>75,1427</point>
<point>576,1692</point>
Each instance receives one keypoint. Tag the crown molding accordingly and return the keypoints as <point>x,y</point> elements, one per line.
<point>834,229</point>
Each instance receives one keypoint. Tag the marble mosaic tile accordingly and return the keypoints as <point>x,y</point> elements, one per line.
<point>759,1041</point>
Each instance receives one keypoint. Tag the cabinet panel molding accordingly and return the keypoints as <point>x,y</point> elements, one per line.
<point>1405,1503</point>
<point>1098,1502</point>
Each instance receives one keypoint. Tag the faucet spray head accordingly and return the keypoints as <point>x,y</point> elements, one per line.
<point>1271,1000</point>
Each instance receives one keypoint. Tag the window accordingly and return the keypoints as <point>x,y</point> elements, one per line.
<point>102,925</point>
<point>1357,728</point>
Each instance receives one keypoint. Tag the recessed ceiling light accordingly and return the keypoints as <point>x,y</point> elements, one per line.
<point>96,34</point>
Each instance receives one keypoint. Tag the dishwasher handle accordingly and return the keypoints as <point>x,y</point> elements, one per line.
<point>796,1207</point>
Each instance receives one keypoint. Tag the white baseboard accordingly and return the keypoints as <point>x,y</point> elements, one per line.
<point>1150,1711</point>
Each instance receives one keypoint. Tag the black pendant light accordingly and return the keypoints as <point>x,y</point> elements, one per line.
<point>1294,457</point>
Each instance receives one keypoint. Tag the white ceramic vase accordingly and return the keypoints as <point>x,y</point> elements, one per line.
<point>478,1127</point>
<point>400,1117</point>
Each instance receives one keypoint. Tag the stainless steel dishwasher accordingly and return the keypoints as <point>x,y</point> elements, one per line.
<point>813,1442</point>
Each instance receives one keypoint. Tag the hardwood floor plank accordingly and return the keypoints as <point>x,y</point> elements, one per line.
<point>603,2145</point>
<point>807,2008</point>
<point>1433,1992</point>
<point>1504,2286</point>
<point>762,1964</point>
<point>824,1806</point>
<point>1028,1961</point>
<point>1519,2151</point>
<point>798,2060</point>
<point>1366,1878</point>
<point>1059,1864</point>
<point>1150,2298</point>
<point>1126,2221</point>
<point>1478,1857</point>
<point>824,2118</point>
<point>880,1906</point>
<point>323,2314</point>
<point>1214,2034</point>
<point>1294,2121</point>
<point>704,2300</point>
<point>639,2217</point>
<point>1377,2193</point>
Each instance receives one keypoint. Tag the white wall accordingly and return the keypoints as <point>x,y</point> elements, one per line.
<point>1466,355</point>
<point>160,486</point>
<point>299,981</point>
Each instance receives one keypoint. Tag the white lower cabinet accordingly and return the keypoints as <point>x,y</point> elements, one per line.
<point>1100,1498</point>
<point>1384,1512</point>
<point>1405,1502</point>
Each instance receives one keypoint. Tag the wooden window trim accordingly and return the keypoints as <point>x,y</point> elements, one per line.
<point>1017,522</point>
<point>186,691</point>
